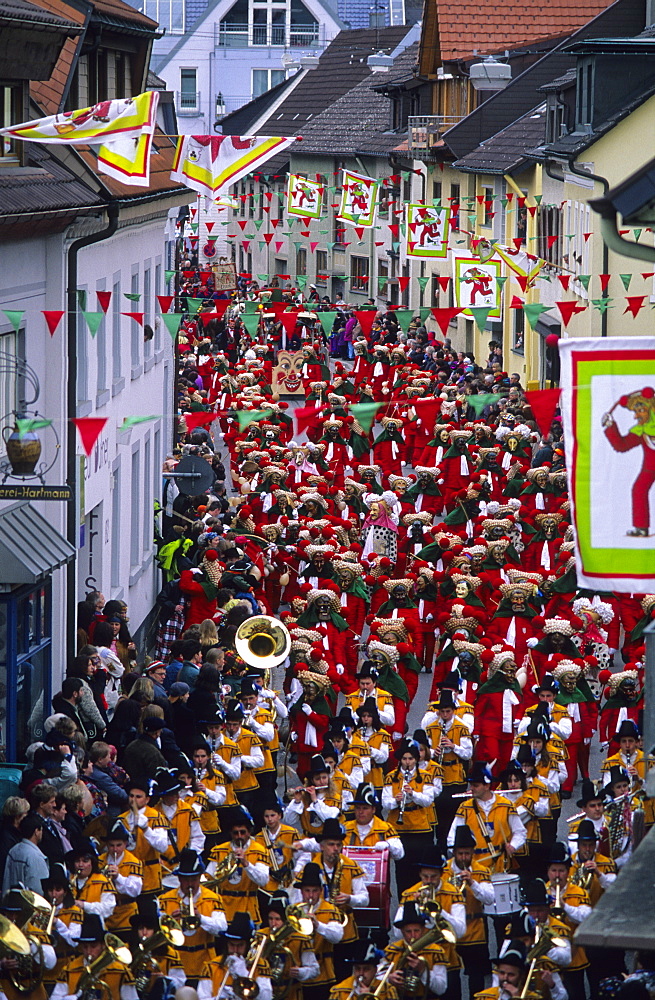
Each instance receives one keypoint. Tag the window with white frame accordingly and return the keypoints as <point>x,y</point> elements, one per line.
<point>359,269</point>
<point>168,13</point>
<point>264,79</point>
<point>188,90</point>
<point>266,23</point>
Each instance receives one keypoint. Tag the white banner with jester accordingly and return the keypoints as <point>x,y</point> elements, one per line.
<point>359,199</point>
<point>304,197</point>
<point>475,283</point>
<point>427,231</point>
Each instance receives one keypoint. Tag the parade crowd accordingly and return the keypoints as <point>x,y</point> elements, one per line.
<point>247,812</point>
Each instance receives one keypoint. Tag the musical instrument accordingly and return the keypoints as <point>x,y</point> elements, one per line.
<point>90,981</point>
<point>225,869</point>
<point>413,985</point>
<point>15,945</point>
<point>28,974</point>
<point>245,987</point>
<point>104,870</point>
<point>353,992</point>
<point>556,907</point>
<point>274,948</point>
<point>190,921</point>
<point>457,878</point>
<point>272,853</point>
<point>376,867</point>
<point>619,825</point>
<point>335,888</point>
<point>262,641</point>
<point>582,877</point>
<point>144,964</point>
<point>545,939</point>
<point>403,802</point>
<point>507,894</point>
<point>439,750</point>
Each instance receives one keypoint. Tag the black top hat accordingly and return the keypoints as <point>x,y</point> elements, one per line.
<point>537,730</point>
<point>346,718</point>
<point>512,953</point>
<point>212,716</point>
<point>479,773</point>
<point>146,785</point>
<point>147,914</point>
<point>588,793</point>
<point>92,928</point>
<point>310,877</point>
<point>452,681</point>
<point>189,863</point>
<point>240,927</point>
<point>57,876</point>
<point>521,925</point>
<point>617,774</point>
<point>277,904</point>
<point>370,707</point>
<point>627,728</point>
<point>447,699</point>
<point>368,670</point>
<point>272,803</point>
<point>408,746</point>
<point>410,915</point>
<point>317,765</point>
<point>547,683</point>
<point>248,687</point>
<point>117,831</point>
<point>84,847</point>
<point>365,795</point>
<point>332,830</point>
<point>559,854</point>
<point>463,837</point>
<point>430,857</point>
<point>421,737</point>
<point>234,710</point>
<point>586,831</point>
<point>166,782</point>
<point>336,730</point>
<point>364,952</point>
<point>536,893</point>
<point>153,724</point>
<point>525,754</point>
<point>327,750</point>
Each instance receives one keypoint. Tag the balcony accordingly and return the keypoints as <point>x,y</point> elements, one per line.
<point>241,36</point>
<point>425,131</point>
<point>187,102</point>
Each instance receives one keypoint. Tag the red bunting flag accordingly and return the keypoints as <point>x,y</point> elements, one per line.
<point>516,302</point>
<point>104,298</point>
<point>360,231</point>
<point>552,240</point>
<point>278,245</point>
<point>165,302</point>
<point>210,226</point>
<point>242,223</point>
<point>518,241</point>
<point>569,308</point>
<point>201,419</point>
<point>268,237</point>
<point>427,410</point>
<point>444,316</point>
<point>443,282</point>
<point>288,320</point>
<point>307,416</point>
<point>543,403</point>
<point>137,317</point>
<point>604,281</point>
<point>53,318</point>
<point>275,223</point>
<point>564,280</point>
<point>89,429</point>
<point>403,282</point>
<point>312,247</point>
<point>365,318</point>
<point>586,236</point>
<point>635,303</point>
<point>245,244</point>
<point>522,280</point>
<point>647,274</point>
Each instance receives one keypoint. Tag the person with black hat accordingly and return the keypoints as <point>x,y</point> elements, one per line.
<point>429,964</point>
<point>293,970</point>
<point>510,971</point>
<point>452,747</point>
<point>328,922</point>
<point>117,975</point>
<point>143,756</point>
<point>183,829</point>
<point>195,793</point>
<point>277,839</point>
<point>491,818</point>
<point>591,804</point>
<point>67,924</point>
<point>409,797</point>
<point>367,829</point>
<point>367,679</point>
<point>145,924</point>
<point>17,908</point>
<point>93,891</point>
<point>225,758</point>
<point>618,815</point>
<point>629,756</point>
<point>365,958</point>
<point>199,911</point>
<point>555,716</point>
<point>347,769</point>
<point>248,864</point>
<point>377,740</point>
<point>575,906</point>
<point>316,801</point>
<point>125,872</point>
<point>530,797</point>
<point>252,755</point>
<point>261,721</point>
<point>220,973</point>
<point>148,830</point>
<point>540,907</point>
<point>473,879</point>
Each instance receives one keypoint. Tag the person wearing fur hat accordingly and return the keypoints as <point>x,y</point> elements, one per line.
<point>429,965</point>
<point>577,698</point>
<point>425,493</point>
<point>91,944</point>
<point>338,455</point>
<point>200,586</point>
<point>491,818</point>
<point>408,798</point>
<point>623,701</point>
<point>223,970</point>
<point>556,640</point>
<point>309,718</point>
<point>126,874</point>
<point>576,907</point>
<point>498,708</point>
<point>354,603</point>
<point>457,465</point>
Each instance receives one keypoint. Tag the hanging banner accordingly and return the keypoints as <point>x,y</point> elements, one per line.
<point>475,284</point>
<point>608,409</point>
<point>212,163</point>
<point>526,265</point>
<point>427,231</point>
<point>225,275</point>
<point>304,197</point>
<point>359,199</point>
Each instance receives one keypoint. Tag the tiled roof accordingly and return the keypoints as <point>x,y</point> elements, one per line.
<point>469,26</point>
<point>116,8</point>
<point>506,151</point>
<point>357,12</point>
<point>574,143</point>
<point>161,164</point>
<point>47,187</point>
<point>21,10</point>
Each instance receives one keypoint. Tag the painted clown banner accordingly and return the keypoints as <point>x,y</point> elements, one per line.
<point>608,409</point>
<point>427,231</point>
<point>210,164</point>
<point>304,197</point>
<point>475,283</point>
<point>358,199</point>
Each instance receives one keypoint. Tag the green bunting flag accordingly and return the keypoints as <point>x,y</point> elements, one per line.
<point>482,399</point>
<point>364,414</point>
<point>382,282</point>
<point>500,280</point>
<point>424,312</point>
<point>132,296</point>
<point>93,321</point>
<point>25,425</point>
<point>15,317</point>
<point>262,277</point>
<point>81,298</point>
<point>404,317</point>
<point>480,314</point>
<point>251,323</point>
<point>258,224</point>
<point>422,281</point>
<point>246,417</point>
<point>251,306</point>
<point>584,280</point>
<point>533,311</point>
<point>169,275</point>
<point>602,304</point>
<point>133,421</point>
<point>193,305</point>
<point>172,321</point>
<point>637,233</point>
<point>301,281</point>
<point>327,321</point>
<point>626,279</point>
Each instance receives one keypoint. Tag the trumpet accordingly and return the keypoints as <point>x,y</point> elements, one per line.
<point>403,802</point>
<point>190,920</point>
<point>104,870</point>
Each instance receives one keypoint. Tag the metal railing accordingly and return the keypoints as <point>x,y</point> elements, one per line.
<point>187,103</point>
<point>424,131</point>
<point>241,36</point>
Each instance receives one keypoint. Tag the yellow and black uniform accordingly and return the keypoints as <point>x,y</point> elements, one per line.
<point>341,879</point>
<point>227,750</point>
<point>64,951</point>
<point>198,948</point>
<point>143,850</point>
<point>39,992</point>
<point>476,928</point>
<point>347,990</point>
<point>217,970</point>
<point>446,894</point>
<point>416,818</point>
<point>638,761</point>
<point>246,742</point>
<point>375,741</point>
<point>383,700</point>
<point>310,822</point>
<point>280,847</point>
<point>605,867</point>
<point>115,976</point>
<point>496,824</point>
<point>264,716</point>
<point>239,892</point>
<point>179,832</point>
<point>527,800</point>
<point>92,889</point>
<point>454,768</point>
<point>573,896</point>
<point>380,830</point>
<point>279,964</point>
<point>126,906</point>
<point>432,955</point>
<point>325,913</point>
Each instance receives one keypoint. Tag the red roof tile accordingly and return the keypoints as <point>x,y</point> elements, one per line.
<point>468,25</point>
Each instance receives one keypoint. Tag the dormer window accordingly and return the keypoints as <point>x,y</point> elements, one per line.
<point>585,94</point>
<point>11,113</point>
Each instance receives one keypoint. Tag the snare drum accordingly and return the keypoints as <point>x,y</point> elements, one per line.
<point>507,895</point>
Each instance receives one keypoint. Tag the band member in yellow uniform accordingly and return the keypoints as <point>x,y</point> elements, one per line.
<point>452,748</point>
<point>42,960</point>
<point>93,892</point>
<point>365,958</point>
<point>67,924</point>
<point>367,829</point>
<point>252,755</point>
<point>277,839</point>
<point>220,973</point>
<point>473,879</point>
<point>183,825</point>
<point>575,907</point>
<point>148,831</point>
<point>328,923</point>
<point>225,757</point>
<point>125,872</point>
<point>511,970</point>
<point>434,888</point>
<point>317,802</point>
<point>629,755</point>
<point>145,925</point>
<point>541,909</point>
<point>243,864</point>
<point>199,911</point>
<point>591,804</point>
<point>377,740</point>
<point>530,797</point>
<point>204,796</point>
<point>287,970</point>
<point>491,818</point>
<point>408,797</point>
<point>117,975</point>
<point>368,678</point>
<point>429,965</point>
<point>260,721</point>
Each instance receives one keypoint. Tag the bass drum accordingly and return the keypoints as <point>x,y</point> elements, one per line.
<point>375,865</point>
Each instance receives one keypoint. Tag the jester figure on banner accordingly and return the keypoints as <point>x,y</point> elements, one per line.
<point>304,197</point>
<point>358,199</point>
<point>479,284</point>
<point>642,404</point>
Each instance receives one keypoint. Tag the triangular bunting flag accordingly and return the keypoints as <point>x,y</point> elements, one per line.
<point>567,309</point>
<point>172,322</point>
<point>626,279</point>
<point>168,275</point>
<point>193,305</point>
<point>104,298</point>
<point>165,302</point>
<point>132,296</point>
<point>543,403</point>
<point>422,281</point>
<point>89,429</point>
<point>602,304</point>
<point>364,414</point>
<point>246,417</point>
<point>635,303</point>
<point>25,425</point>
<point>93,321</point>
<point>444,316</point>
<point>480,315</point>
<point>444,281</point>
<point>584,280</point>
<point>307,416</point>
<point>133,421</point>
<point>137,317</point>
<point>533,311</point>
<point>251,323</point>
<point>482,399</point>
<point>327,321</point>
<point>404,317</point>
<point>604,282</point>
<point>53,318</point>
<point>15,317</point>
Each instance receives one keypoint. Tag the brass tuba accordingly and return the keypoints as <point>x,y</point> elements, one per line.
<point>144,964</point>
<point>262,641</point>
<point>28,974</point>
<point>276,953</point>
<point>114,951</point>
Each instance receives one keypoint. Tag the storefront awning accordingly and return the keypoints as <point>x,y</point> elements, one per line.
<point>30,548</point>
